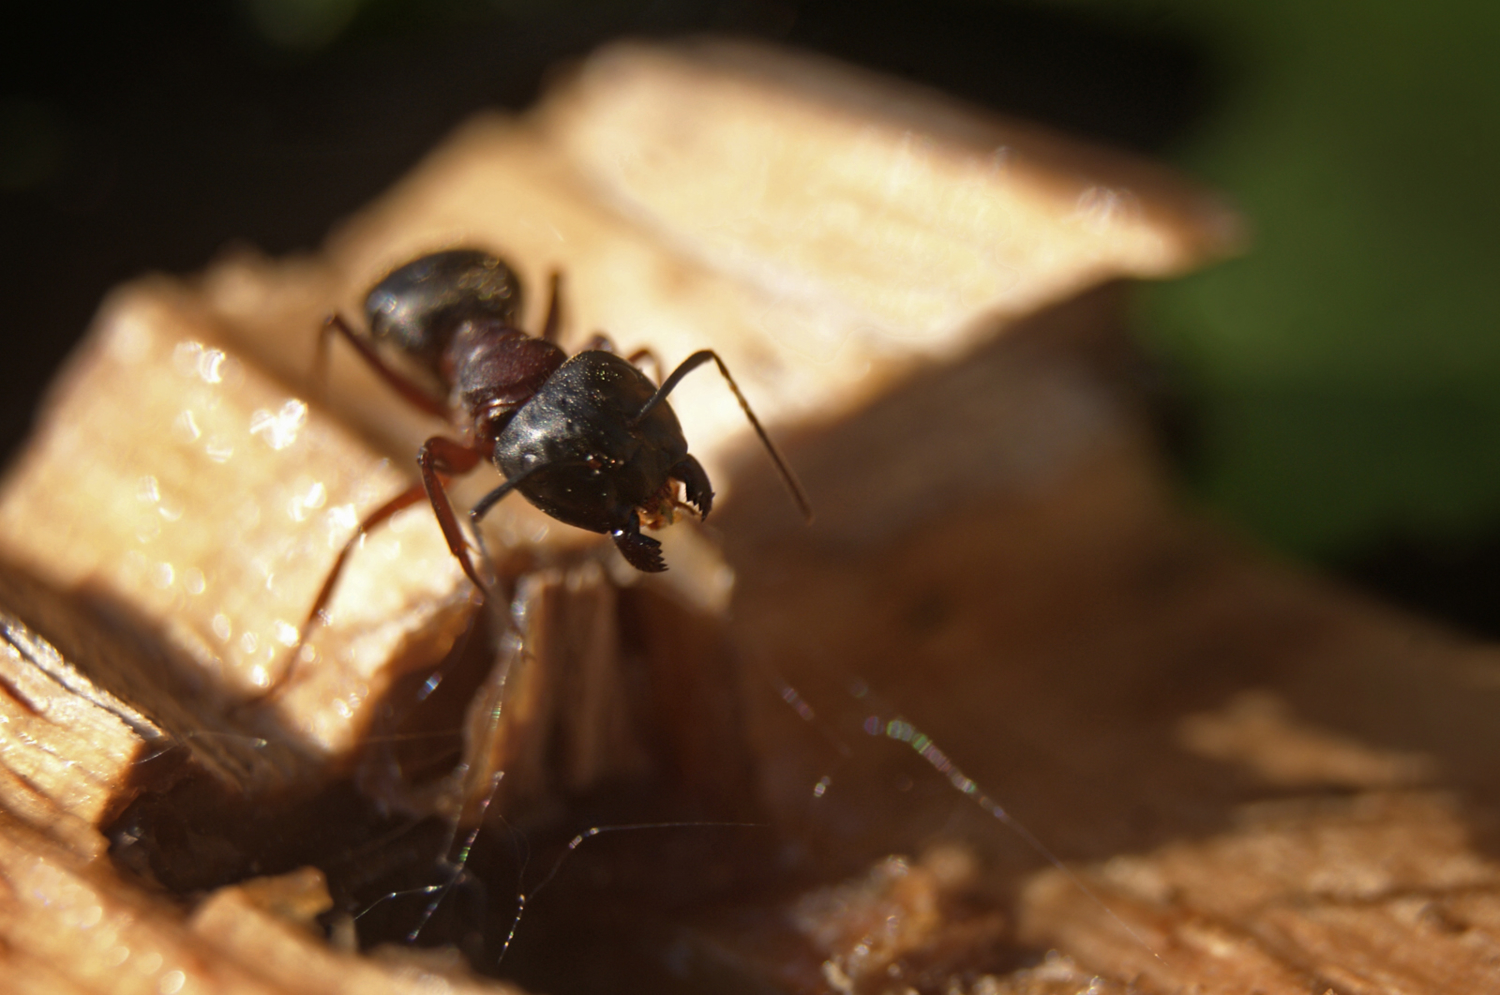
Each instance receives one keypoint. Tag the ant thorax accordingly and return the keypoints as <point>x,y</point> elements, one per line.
<point>496,369</point>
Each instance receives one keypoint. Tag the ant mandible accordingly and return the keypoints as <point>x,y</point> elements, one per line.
<point>588,439</point>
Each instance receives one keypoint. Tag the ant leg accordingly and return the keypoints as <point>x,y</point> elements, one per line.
<point>401,501</point>
<point>697,359</point>
<point>320,354</point>
<point>409,390</point>
<point>554,310</point>
<point>480,509</point>
<point>441,458</point>
<point>700,493</point>
<point>599,342</point>
<point>640,551</point>
<point>477,513</point>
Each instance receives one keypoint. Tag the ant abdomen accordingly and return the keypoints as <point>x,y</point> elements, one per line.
<point>418,307</point>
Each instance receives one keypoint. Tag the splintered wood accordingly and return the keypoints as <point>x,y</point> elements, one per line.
<point>204,502</point>
<point>1001,629</point>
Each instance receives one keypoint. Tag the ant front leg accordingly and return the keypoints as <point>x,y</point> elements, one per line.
<point>640,355</point>
<point>441,458</point>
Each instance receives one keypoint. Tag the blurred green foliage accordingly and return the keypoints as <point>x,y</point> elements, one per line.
<point>1347,369</point>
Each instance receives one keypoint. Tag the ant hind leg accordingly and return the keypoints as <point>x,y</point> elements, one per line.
<point>403,385</point>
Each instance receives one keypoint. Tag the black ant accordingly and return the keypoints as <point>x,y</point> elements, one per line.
<point>588,439</point>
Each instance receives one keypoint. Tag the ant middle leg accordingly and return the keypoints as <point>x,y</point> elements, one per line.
<point>400,502</point>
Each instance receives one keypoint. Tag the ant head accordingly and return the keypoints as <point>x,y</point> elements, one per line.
<point>416,307</point>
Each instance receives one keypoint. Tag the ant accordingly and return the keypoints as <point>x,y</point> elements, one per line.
<point>588,439</point>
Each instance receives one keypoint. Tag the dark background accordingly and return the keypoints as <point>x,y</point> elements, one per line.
<point>1339,382</point>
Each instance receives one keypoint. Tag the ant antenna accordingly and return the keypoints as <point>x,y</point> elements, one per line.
<point>697,359</point>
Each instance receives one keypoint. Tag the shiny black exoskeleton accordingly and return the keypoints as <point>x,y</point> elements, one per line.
<point>417,307</point>
<point>598,466</point>
<point>590,439</point>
